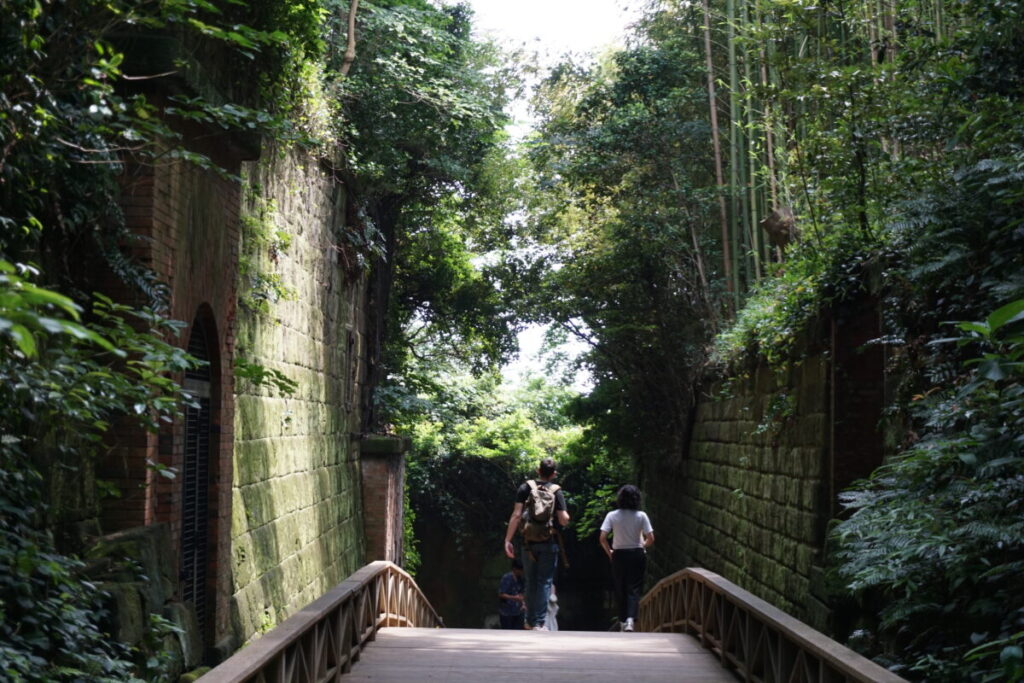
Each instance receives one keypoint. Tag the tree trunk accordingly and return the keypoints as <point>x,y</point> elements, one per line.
<point>350,48</point>
<point>385,213</point>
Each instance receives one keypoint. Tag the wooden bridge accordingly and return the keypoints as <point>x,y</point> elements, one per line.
<point>694,626</point>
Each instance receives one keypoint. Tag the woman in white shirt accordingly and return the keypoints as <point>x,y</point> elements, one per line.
<point>632,534</point>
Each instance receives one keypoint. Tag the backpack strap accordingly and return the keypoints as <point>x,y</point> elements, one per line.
<point>550,487</point>
<point>553,488</point>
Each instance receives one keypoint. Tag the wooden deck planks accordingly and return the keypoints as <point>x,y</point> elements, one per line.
<point>495,656</point>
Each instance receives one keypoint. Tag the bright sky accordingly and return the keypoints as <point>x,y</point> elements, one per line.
<point>554,26</point>
<point>551,28</point>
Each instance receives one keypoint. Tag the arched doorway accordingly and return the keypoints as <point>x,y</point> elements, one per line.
<point>199,460</point>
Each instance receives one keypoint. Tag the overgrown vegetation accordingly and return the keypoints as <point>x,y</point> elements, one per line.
<point>892,133</point>
<point>935,540</point>
<point>72,365</point>
<point>429,181</point>
<point>620,216</point>
<point>62,383</point>
<point>476,439</point>
<point>419,115</point>
<point>76,111</point>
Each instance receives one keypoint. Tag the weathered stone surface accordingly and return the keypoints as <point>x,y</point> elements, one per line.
<point>174,661</point>
<point>143,555</point>
<point>129,621</point>
<point>189,639</point>
<point>747,500</point>
<point>296,523</point>
<point>194,675</point>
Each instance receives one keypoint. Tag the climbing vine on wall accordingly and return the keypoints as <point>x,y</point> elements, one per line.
<point>75,108</point>
<point>263,245</point>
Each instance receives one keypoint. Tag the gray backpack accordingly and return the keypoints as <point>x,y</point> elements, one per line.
<point>539,512</point>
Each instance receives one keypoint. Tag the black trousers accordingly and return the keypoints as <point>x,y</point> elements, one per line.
<point>512,622</point>
<point>628,567</point>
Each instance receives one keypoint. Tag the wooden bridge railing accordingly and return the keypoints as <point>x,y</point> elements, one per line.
<point>760,642</point>
<point>322,641</point>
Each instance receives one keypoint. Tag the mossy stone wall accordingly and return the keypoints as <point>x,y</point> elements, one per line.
<point>749,499</point>
<point>296,527</point>
<point>751,495</point>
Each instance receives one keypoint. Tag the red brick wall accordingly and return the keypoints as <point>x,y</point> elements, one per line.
<point>188,219</point>
<point>382,461</point>
<point>286,518</point>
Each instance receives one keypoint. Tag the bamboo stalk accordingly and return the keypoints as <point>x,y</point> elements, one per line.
<point>769,133</point>
<point>734,143</point>
<point>697,254</point>
<point>751,161</point>
<point>717,146</point>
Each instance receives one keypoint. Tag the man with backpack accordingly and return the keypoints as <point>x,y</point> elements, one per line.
<point>539,514</point>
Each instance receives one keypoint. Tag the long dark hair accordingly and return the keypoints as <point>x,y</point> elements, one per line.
<point>628,498</point>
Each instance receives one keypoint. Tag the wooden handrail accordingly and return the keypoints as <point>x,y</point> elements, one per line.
<point>759,641</point>
<point>321,641</point>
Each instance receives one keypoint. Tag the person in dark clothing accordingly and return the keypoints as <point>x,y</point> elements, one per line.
<point>631,534</point>
<point>511,599</point>
<point>540,558</point>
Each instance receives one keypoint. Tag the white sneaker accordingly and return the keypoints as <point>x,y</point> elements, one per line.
<point>541,627</point>
<point>628,626</point>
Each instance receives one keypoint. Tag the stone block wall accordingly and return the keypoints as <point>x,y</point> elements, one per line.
<point>751,486</point>
<point>296,527</point>
<point>752,494</point>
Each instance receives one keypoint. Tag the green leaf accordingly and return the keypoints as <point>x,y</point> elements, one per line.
<point>1010,313</point>
<point>24,339</point>
<point>991,369</point>
<point>981,328</point>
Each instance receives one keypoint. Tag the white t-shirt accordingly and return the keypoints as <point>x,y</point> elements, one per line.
<point>626,527</point>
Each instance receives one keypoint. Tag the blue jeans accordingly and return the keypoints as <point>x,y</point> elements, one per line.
<point>539,574</point>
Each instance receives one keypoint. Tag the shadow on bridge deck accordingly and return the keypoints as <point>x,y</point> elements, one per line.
<point>494,656</point>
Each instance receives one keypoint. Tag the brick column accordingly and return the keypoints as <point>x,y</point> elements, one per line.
<point>382,462</point>
<point>858,395</point>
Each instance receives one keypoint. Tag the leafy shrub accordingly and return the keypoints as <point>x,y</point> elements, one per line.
<point>817,274</point>
<point>62,383</point>
<point>936,536</point>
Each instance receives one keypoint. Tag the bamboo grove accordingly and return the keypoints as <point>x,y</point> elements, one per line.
<point>802,82</point>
